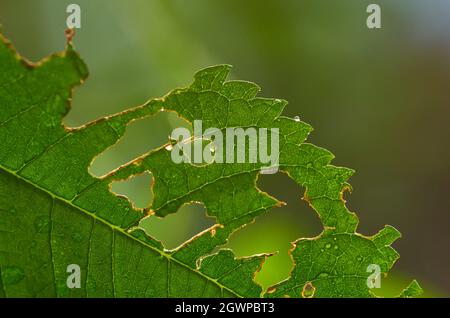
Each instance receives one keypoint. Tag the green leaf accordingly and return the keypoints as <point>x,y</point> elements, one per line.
<point>412,290</point>
<point>53,213</point>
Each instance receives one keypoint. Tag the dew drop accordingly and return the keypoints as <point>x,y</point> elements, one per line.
<point>169,147</point>
<point>162,109</point>
<point>297,118</point>
<point>328,245</point>
<point>336,247</point>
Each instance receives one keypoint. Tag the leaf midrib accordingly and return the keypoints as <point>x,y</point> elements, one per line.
<point>118,229</point>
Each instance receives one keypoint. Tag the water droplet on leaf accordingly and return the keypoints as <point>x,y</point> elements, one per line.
<point>169,147</point>
<point>297,118</point>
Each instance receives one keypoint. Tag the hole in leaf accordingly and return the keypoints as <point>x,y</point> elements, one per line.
<point>140,137</point>
<point>176,228</point>
<point>308,290</point>
<point>276,229</point>
<point>137,189</point>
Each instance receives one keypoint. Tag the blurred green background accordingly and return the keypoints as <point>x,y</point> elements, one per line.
<point>378,99</point>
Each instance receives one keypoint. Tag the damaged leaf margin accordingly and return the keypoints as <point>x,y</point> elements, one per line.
<point>80,219</point>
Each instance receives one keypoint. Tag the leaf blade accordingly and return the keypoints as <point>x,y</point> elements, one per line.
<point>80,220</point>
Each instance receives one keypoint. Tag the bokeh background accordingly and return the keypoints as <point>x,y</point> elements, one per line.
<point>378,99</point>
